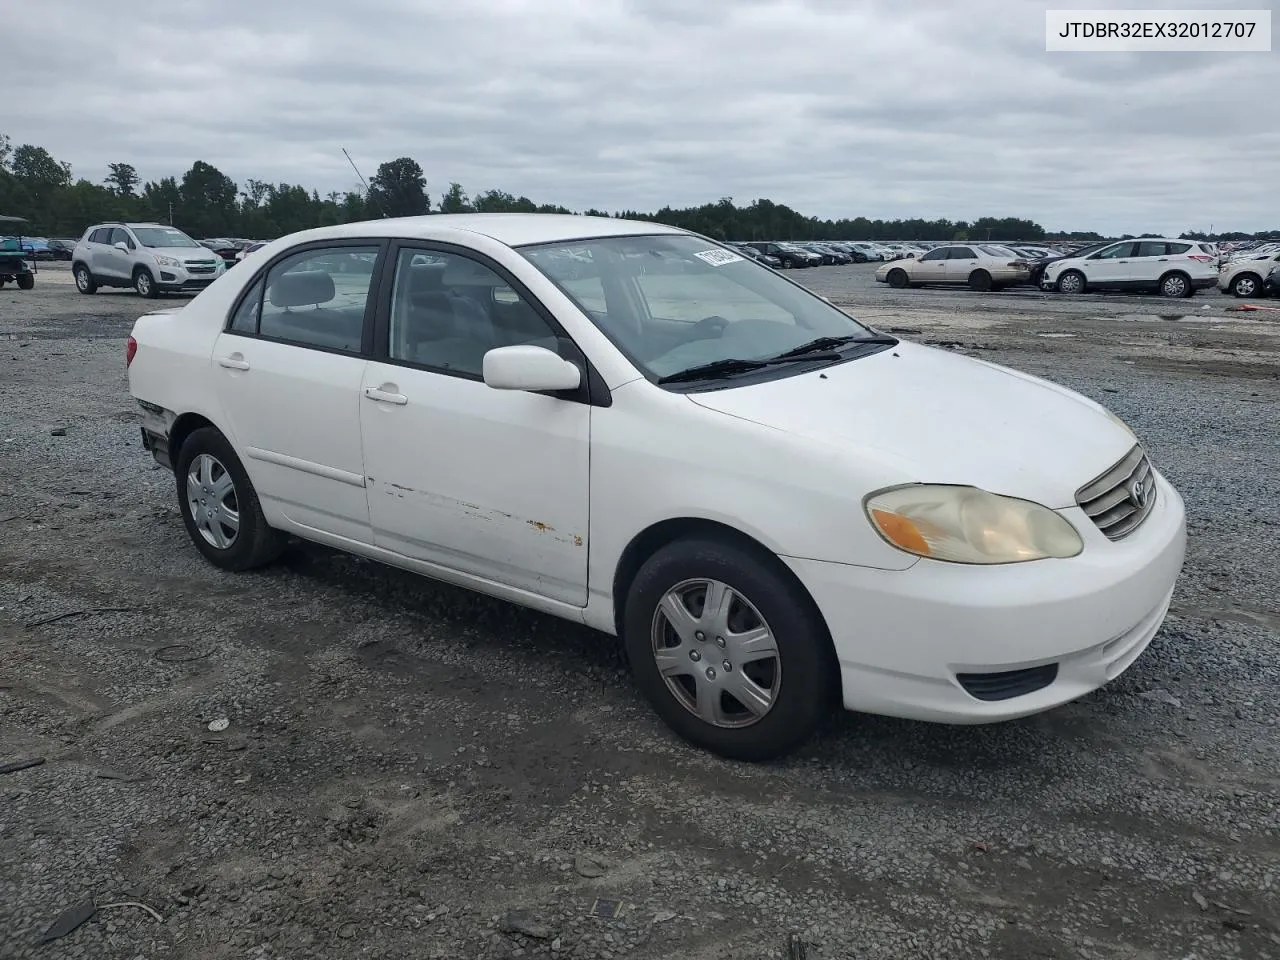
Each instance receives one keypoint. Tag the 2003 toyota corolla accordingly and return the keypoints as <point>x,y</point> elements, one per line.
<point>773,505</point>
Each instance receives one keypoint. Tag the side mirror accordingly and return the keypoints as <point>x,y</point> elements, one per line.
<point>122,246</point>
<point>530,368</point>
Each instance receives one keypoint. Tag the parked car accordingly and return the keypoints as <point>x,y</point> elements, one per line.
<point>1245,277</point>
<point>749,251</point>
<point>61,249</point>
<point>829,255</point>
<point>866,251</point>
<point>1170,267</point>
<point>16,263</point>
<point>253,247</point>
<point>789,255</point>
<point>1039,266</point>
<point>227,249</point>
<point>1271,285</point>
<point>919,533</point>
<point>979,266</point>
<point>150,257</point>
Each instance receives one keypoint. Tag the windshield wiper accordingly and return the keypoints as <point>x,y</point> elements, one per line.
<point>717,368</point>
<point>825,345</point>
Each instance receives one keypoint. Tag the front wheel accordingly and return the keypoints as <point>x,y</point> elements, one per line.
<point>897,278</point>
<point>1071,282</point>
<point>84,279</point>
<point>219,506</point>
<point>26,281</point>
<point>728,649</point>
<point>1246,285</point>
<point>145,284</point>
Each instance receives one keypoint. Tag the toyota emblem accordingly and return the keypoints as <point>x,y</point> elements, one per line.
<point>1139,493</point>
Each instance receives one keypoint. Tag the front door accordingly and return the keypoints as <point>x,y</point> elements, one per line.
<point>929,268</point>
<point>117,263</point>
<point>1112,266</point>
<point>493,483</point>
<point>289,370</point>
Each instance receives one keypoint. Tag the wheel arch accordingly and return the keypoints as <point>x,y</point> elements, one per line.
<point>658,535</point>
<point>185,425</point>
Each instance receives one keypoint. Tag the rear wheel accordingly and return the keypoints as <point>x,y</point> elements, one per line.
<point>26,281</point>
<point>897,278</point>
<point>980,281</point>
<point>728,649</point>
<point>219,506</point>
<point>1176,286</point>
<point>84,279</point>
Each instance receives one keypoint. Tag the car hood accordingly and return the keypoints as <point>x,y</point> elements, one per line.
<point>939,417</point>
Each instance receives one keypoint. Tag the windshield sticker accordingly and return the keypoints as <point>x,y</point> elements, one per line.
<point>718,258</point>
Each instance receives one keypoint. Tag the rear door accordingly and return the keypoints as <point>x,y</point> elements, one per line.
<point>961,261</point>
<point>289,368</point>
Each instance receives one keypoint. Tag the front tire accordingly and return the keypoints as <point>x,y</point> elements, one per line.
<point>145,284</point>
<point>728,649</point>
<point>1247,285</point>
<point>1071,282</point>
<point>84,279</point>
<point>897,278</point>
<point>26,281</point>
<point>219,506</point>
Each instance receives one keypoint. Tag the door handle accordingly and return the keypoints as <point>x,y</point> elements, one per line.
<point>382,396</point>
<point>234,362</point>
<point>1163,260</point>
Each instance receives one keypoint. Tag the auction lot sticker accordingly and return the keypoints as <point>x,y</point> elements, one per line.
<point>1157,31</point>
<point>718,258</point>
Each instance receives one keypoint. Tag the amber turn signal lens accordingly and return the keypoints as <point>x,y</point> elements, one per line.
<point>901,532</point>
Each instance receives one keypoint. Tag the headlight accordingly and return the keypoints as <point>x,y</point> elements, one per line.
<point>968,525</point>
<point>166,261</point>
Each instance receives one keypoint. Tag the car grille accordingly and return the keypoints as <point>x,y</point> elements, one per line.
<point>1120,499</point>
<point>200,268</point>
<point>1009,683</point>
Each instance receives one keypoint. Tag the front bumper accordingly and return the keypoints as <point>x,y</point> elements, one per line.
<point>905,638</point>
<point>185,278</point>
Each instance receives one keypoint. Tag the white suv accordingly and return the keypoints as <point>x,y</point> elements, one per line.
<point>1172,268</point>
<point>150,257</point>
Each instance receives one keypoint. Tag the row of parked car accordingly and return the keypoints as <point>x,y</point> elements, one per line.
<point>1172,267</point>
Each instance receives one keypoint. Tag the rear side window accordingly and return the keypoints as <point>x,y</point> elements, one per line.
<point>1178,247</point>
<point>962,253</point>
<point>245,319</point>
<point>317,298</point>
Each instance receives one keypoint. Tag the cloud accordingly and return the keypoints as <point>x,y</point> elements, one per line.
<point>835,107</point>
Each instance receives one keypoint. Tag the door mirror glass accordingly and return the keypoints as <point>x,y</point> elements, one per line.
<point>526,367</point>
<point>122,246</point>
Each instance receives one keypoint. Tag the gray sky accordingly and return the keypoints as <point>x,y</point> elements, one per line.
<point>930,108</point>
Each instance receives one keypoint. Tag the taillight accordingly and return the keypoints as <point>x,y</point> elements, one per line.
<point>1199,258</point>
<point>130,351</point>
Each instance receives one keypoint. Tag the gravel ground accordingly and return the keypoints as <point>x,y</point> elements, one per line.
<point>410,770</point>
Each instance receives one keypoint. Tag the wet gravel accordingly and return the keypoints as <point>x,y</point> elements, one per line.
<point>410,770</point>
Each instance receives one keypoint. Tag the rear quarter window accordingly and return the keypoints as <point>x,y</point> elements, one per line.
<point>1179,247</point>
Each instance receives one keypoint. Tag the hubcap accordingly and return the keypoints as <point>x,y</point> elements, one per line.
<point>82,279</point>
<point>1071,284</point>
<point>716,653</point>
<point>144,283</point>
<point>1175,286</point>
<point>211,498</point>
<point>1245,287</point>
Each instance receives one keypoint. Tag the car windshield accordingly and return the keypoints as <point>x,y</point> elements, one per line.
<point>673,303</point>
<point>163,237</point>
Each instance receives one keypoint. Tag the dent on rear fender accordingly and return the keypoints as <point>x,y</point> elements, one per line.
<point>473,511</point>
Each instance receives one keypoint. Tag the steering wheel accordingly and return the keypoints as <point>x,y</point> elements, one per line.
<point>708,328</point>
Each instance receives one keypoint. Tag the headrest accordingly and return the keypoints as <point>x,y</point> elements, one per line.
<point>465,272</point>
<point>425,279</point>
<point>301,289</point>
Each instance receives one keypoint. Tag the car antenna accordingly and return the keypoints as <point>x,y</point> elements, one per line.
<point>368,189</point>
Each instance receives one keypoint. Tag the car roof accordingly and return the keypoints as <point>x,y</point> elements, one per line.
<point>512,229</point>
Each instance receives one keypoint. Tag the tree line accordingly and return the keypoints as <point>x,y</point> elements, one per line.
<point>205,202</point>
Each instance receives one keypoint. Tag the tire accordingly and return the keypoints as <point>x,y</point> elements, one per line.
<point>1071,282</point>
<point>84,279</point>
<point>1247,285</point>
<point>980,281</point>
<point>791,682</point>
<point>243,545</point>
<point>859,258</point>
<point>1176,286</point>
<point>897,278</point>
<point>26,281</point>
<point>145,284</point>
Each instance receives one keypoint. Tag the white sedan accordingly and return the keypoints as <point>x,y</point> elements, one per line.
<point>775,506</point>
<point>978,266</point>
